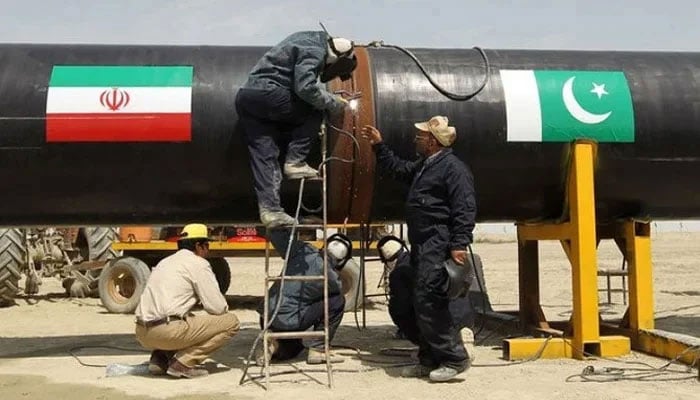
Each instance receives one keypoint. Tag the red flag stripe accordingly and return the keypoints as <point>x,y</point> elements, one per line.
<point>120,127</point>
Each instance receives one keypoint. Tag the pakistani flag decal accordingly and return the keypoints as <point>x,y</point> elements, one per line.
<point>560,106</point>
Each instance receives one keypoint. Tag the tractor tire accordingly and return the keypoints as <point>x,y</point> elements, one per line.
<point>13,254</point>
<point>95,243</point>
<point>121,283</point>
<point>222,272</point>
<point>352,286</point>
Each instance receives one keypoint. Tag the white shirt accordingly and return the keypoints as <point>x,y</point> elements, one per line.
<point>175,286</point>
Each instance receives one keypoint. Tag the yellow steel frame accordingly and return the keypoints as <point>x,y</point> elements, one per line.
<point>578,235</point>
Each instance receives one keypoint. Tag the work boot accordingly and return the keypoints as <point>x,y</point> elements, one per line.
<point>299,170</point>
<point>272,346</point>
<point>468,339</point>
<point>275,219</point>
<point>318,357</point>
<point>180,370</point>
<point>444,374</point>
<point>158,364</point>
<point>415,371</point>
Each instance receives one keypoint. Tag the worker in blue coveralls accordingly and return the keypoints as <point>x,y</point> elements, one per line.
<point>440,215</point>
<point>302,305</point>
<point>283,101</point>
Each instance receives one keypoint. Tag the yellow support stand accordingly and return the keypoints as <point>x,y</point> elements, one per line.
<point>580,336</point>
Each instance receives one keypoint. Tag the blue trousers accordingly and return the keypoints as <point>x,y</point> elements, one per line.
<point>312,318</point>
<point>271,117</point>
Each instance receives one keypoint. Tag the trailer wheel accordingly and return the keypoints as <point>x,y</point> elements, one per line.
<point>13,255</point>
<point>121,283</point>
<point>222,272</point>
<point>351,285</point>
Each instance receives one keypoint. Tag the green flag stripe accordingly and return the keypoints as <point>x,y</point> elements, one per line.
<point>585,104</point>
<point>121,76</point>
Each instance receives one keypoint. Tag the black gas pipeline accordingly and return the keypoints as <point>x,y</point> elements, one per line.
<point>443,91</point>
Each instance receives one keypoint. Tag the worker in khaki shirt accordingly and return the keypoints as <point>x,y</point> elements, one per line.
<point>179,339</point>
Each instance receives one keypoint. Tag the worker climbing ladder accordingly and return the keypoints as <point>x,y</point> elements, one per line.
<point>268,314</point>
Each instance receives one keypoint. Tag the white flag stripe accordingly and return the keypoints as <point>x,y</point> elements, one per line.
<point>523,114</point>
<point>141,100</point>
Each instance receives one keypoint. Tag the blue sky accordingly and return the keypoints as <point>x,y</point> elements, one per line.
<point>591,24</point>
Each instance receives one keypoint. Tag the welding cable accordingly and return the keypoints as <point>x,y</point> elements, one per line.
<point>73,350</point>
<point>443,91</point>
<point>360,279</point>
<point>490,334</point>
<point>383,363</point>
<point>286,258</point>
<point>534,357</point>
<point>356,144</point>
<point>648,374</point>
<point>481,289</point>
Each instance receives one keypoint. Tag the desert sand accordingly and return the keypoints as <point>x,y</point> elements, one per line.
<point>37,335</point>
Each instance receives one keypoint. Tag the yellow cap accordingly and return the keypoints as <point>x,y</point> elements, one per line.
<point>194,231</point>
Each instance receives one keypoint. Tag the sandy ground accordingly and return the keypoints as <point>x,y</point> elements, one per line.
<point>37,335</point>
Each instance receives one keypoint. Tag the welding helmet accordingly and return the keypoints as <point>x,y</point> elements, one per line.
<point>460,278</point>
<point>340,59</point>
<point>389,247</point>
<point>339,248</point>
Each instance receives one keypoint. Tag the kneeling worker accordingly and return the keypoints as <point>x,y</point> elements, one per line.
<point>164,322</point>
<point>397,260</point>
<point>301,306</point>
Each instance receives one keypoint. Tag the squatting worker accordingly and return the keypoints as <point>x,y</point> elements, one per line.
<point>397,261</point>
<point>181,340</point>
<point>283,101</point>
<point>440,215</point>
<point>302,305</point>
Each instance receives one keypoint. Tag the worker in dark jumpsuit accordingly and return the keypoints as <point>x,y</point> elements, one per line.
<point>283,102</point>
<point>396,257</point>
<point>301,307</point>
<point>440,215</point>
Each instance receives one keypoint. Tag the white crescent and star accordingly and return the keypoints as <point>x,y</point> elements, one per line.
<point>576,110</point>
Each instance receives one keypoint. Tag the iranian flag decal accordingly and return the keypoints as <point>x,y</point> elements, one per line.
<point>119,104</point>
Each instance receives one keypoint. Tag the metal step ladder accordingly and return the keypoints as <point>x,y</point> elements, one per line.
<point>267,333</point>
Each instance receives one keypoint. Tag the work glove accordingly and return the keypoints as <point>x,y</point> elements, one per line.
<point>341,101</point>
<point>339,104</point>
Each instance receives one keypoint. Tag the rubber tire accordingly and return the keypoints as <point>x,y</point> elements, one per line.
<point>98,243</point>
<point>222,271</point>
<point>351,285</point>
<point>13,254</point>
<point>115,300</point>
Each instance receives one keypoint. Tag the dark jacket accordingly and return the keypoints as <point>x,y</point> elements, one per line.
<point>441,199</point>
<point>297,296</point>
<point>295,64</point>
